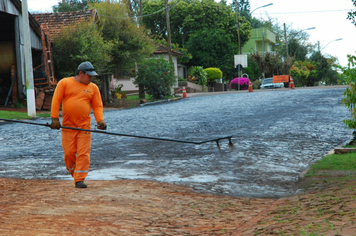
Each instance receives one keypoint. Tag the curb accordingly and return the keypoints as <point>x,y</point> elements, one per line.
<point>160,102</point>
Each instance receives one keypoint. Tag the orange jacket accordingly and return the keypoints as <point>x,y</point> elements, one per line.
<point>76,98</point>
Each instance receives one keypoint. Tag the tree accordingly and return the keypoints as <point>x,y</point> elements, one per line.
<point>190,16</point>
<point>77,43</point>
<point>297,41</point>
<point>243,8</point>
<point>72,5</point>
<point>325,68</point>
<point>352,14</point>
<point>350,93</point>
<point>157,76</point>
<point>212,48</point>
<point>304,73</point>
<point>186,55</point>
<point>130,44</point>
<point>272,64</point>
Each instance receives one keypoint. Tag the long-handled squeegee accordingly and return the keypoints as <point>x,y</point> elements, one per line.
<point>231,145</point>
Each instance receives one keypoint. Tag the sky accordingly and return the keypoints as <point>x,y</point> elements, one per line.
<point>327,16</point>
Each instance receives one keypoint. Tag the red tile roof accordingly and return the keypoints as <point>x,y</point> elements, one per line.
<point>162,49</point>
<point>56,20</point>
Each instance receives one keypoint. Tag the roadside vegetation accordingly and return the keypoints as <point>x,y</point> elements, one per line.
<point>16,115</point>
<point>120,45</point>
<point>335,162</point>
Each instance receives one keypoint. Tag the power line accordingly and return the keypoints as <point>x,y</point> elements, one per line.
<point>306,12</point>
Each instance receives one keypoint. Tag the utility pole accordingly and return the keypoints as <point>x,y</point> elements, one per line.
<point>140,12</point>
<point>168,31</point>
<point>238,26</point>
<point>30,91</point>
<point>286,40</point>
<point>319,47</point>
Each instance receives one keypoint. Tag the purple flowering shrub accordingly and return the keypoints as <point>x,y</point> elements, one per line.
<point>244,82</point>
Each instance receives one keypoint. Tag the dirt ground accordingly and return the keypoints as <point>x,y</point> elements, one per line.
<point>128,207</point>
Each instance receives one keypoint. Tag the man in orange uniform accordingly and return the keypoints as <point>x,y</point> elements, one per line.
<point>76,94</point>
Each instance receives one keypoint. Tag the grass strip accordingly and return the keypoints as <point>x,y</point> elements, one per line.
<point>334,162</point>
<point>15,115</point>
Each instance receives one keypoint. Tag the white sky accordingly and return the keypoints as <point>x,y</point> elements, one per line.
<point>328,16</point>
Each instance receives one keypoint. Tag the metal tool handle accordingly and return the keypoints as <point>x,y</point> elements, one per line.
<point>118,134</point>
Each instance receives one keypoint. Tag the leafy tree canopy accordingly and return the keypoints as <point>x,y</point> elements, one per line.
<point>349,100</point>
<point>78,43</point>
<point>304,73</point>
<point>189,16</point>
<point>352,14</point>
<point>213,48</point>
<point>72,5</point>
<point>272,64</point>
<point>130,44</point>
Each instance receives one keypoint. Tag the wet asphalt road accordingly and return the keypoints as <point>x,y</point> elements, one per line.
<point>277,135</point>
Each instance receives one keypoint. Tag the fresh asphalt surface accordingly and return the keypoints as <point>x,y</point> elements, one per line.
<point>277,135</point>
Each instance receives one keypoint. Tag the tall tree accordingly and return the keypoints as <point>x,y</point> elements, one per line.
<point>189,18</point>
<point>130,43</point>
<point>272,64</point>
<point>78,43</point>
<point>352,14</point>
<point>304,73</point>
<point>213,48</point>
<point>243,8</point>
<point>72,5</point>
<point>326,68</point>
<point>297,42</point>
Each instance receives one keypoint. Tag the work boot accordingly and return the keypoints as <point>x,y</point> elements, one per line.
<point>80,184</point>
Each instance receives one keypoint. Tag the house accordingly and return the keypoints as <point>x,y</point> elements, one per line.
<point>261,40</point>
<point>126,79</point>
<point>55,21</point>
<point>12,69</point>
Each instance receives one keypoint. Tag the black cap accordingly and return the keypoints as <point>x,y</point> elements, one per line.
<point>88,68</point>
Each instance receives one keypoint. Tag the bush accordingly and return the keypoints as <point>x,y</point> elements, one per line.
<point>256,84</point>
<point>213,73</point>
<point>157,76</point>
<point>197,75</point>
<point>244,82</point>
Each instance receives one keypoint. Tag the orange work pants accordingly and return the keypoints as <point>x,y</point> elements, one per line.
<point>76,147</point>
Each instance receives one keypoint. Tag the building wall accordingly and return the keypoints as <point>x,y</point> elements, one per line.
<point>255,43</point>
<point>13,8</point>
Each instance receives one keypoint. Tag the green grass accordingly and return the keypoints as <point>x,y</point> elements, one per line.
<point>136,98</point>
<point>15,115</point>
<point>147,97</point>
<point>334,162</point>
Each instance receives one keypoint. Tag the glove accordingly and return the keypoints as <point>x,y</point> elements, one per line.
<point>101,125</point>
<point>55,123</point>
